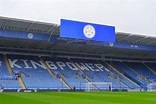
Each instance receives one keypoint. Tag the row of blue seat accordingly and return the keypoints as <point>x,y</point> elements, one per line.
<point>37,77</point>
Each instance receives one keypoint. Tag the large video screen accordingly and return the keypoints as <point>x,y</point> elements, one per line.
<point>87,31</point>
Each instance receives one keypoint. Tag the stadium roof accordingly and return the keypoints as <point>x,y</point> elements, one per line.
<point>28,26</point>
<point>54,29</point>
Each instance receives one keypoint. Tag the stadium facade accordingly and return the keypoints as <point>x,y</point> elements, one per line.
<point>34,56</point>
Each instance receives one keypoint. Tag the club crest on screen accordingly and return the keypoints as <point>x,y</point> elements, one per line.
<point>30,35</point>
<point>89,31</point>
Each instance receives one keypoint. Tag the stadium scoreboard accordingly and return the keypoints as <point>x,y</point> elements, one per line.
<point>87,31</point>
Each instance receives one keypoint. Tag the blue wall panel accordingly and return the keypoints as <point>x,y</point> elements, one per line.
<point>45,37</point>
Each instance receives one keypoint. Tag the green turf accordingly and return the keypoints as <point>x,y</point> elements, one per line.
<point>79,98</point>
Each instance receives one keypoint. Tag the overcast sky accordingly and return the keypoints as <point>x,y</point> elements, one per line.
<point>131,16</point>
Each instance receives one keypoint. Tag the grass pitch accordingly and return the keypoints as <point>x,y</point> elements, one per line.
<point>78,98</point>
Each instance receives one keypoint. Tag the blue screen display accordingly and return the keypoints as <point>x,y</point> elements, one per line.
<point>87,31</point>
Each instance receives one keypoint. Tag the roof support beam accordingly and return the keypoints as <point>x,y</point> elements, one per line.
<point>50,29</point>
<point>30,26</point>
<point>150,42</point>
<point>55,27</point>
<point>6,23</point>
<point>125,37</point>
<point>141,39</point>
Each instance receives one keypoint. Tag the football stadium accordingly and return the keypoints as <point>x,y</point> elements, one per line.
<point>74,62</point>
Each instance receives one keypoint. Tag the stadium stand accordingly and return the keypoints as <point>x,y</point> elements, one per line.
<point>74,72</point>
<point>36,75</point>
<point>33,56</point>
<point>121,76</point>
<point>152,67</point>
<point>68,71</point>
<point>6,80</point>
<point>97,73</point>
